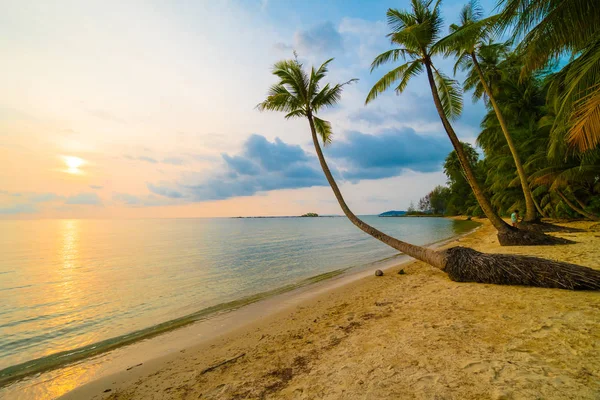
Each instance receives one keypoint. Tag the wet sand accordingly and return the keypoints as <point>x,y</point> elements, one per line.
<point>400,336</point>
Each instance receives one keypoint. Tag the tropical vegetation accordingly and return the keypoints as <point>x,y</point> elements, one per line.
<point>539,137</point>
<point>299,94</point>
<point>529,137</point>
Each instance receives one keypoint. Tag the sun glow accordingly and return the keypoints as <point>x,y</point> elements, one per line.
<point>73,164</point>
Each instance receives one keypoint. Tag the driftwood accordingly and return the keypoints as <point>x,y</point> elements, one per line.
<point>213,367</point>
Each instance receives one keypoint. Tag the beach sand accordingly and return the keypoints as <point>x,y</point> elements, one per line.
<point>401,336</point>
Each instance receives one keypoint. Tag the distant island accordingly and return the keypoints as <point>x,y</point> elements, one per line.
<point>392,214</point>
<point>309,215</point>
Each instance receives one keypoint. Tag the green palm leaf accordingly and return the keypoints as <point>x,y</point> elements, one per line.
<point>298,94</point>
<point>323,129</point>
<point>450,95</point>
<point>387,80</point>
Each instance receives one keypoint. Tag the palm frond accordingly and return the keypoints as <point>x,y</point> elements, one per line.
<point>399,19</point>
<point>280,99</point>
<point>296,114</point>
<point>386,81</point>
<point>323,128</point>
<point>316,76</point>
<point>329,95</point>
<point>392,55</point>
<point>450,95</point>
<point>298,94</point>
<point>585,131</point>
<point>415,68</point>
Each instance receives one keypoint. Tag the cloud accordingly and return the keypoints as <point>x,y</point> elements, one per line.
<point>152,160</point>
<point>264,165</point>
<point>140,201</point>
<point>24,208</point>
<point>45,197</point>
<point>261,166</point>
<point>408,108</point>
<point>273,156</point>
<point>147,159</point>
<point>12,194</point>
<point>141,158</point>
<point>96,187</point>
<point>127,198</point>
<point>174,161</point>
<point>388,154</point>
<point>164,191</point>
<point>323,38</point>
<point>84,198</point>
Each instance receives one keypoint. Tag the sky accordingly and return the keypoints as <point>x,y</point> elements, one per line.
<point>147,110</point>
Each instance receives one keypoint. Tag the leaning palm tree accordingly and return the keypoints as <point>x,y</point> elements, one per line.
<point>416,34</point>
<point>299,95</point>
<point>469,42</point>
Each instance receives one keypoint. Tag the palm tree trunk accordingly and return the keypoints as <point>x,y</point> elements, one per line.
<point>429,256</point>
<point>577,209</point>
<point>582,205</point>
<point>529,203</point>
<point>498,222</point>
<point>539,209</point>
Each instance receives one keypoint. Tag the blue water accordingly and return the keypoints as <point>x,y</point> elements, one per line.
<point>88,284</point>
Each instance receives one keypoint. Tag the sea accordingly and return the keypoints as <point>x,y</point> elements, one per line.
<point>73,289</point>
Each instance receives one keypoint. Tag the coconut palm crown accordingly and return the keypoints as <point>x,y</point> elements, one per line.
<point>299,94</point>
<point>416,35</point>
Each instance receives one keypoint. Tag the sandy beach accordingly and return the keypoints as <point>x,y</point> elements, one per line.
<point>400,336</point>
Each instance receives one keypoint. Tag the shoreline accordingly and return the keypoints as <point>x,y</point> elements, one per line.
<point>417,335</point>
<point>102,362</point>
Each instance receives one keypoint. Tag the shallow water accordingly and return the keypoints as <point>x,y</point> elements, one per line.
<point>72,288</point>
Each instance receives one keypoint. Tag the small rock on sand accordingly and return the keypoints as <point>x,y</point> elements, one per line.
<point>379,273</point>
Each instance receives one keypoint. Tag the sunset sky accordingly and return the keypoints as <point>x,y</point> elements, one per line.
<point>146,109</point>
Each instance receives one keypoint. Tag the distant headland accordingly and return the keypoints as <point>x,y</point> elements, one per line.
<point>392,213</point>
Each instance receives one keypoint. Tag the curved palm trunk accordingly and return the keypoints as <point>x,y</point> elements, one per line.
<point>539,209</point>
<point>429,256</point>
<point>577,209</point>
<point>529,203</point>
<point>583,205</point>
<point>498,222</point>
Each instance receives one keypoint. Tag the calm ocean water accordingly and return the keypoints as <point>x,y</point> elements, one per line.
<point>72,288</point>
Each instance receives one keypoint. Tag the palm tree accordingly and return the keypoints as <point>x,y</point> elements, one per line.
<point>299,95</point>
<point>550,30</point>
<point>416,34</point>
<point>469,42</point>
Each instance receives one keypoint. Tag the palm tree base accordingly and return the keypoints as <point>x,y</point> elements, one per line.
<point>522,237</point>
<point>467,265</point>
<point>542,227</point>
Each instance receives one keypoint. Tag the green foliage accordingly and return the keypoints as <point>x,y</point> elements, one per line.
<point>435,202</point>
<point>414,35</point>
<point>550,30</point>
<point>299,94</point>
<point>460,198</point>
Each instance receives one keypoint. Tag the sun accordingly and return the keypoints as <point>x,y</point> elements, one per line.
<point>73,163</point>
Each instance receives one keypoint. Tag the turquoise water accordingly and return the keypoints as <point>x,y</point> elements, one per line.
<point>73,288</point>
